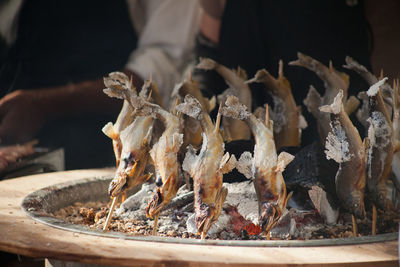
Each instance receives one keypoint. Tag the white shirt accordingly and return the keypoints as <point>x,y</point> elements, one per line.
<point>166,31</point>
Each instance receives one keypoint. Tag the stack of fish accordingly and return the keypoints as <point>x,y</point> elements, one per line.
<point>364,166</point>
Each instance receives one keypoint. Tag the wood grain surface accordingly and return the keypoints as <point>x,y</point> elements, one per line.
<point>21,235</point>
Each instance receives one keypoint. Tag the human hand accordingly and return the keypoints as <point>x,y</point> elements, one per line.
<point>22,115</point>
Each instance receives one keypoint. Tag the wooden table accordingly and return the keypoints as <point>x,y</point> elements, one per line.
<point>21,235</point>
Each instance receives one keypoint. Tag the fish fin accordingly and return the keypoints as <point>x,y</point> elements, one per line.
<point>212,103</point>
<point>220,198</point>
<point>177,141</point>
<point>352,104</point>
<point>313,101</point>
<point>241,73</point>
<point>336,106</point>
<point>245,165</point>
<point>147,138</point>
<point>259,76</point>
<point>234,109</point>
<point>288,196</point>
<point>167,182</point>
<point>145,177</point>
<point>109,130</point>
<point>191,107</point>
<point>284,159</point>
<point>227,163</point>
<point>190,160</point>
<point>206,64</point>
<point>374,89</point>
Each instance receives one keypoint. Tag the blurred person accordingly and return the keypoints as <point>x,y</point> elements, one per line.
<point>53,55</point>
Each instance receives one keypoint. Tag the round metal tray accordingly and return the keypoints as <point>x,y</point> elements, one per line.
<point>41,203</point>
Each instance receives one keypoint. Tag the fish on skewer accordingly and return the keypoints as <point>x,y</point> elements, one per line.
<point>380,151</point>
<point>288,121</point>
<point>233,129</point>
<point>191,127</point>
<point>120,81</point>
<point>164,155</point>
<point>333,82</point>
<point>265,167</point>
<point>344,145</point>
<point>206,168</point>
<point>135,140</point>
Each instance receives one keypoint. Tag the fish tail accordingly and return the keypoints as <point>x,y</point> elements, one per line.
<point>234,109</point>
<point>336,106</point>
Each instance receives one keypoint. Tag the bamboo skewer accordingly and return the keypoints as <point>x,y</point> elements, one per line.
<point>355,230</point>
<point>108,220</point>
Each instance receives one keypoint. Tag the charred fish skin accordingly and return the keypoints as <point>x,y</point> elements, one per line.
<point>344,145</point>
<point>233,129</point>
<point>206,168</point>
<point>287,116</point>
<point>381,148</point>
<point>265,167</point>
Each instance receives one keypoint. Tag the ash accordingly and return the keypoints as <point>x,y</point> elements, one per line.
<point>238,219</point>
<point>177,219</point>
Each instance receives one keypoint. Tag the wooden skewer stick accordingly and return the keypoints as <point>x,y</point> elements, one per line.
<point>355,230</point>
<point>203,235</point>
<point>155,225</point>
<point>108,220</point>
<point>374,218</point>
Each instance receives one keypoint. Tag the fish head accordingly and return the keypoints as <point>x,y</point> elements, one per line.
<point>155,205</point>
<point>269,216</point>
<point>204,218</point>
<point>129,167</point>
<point>355,205</point>
<point>164,193</point>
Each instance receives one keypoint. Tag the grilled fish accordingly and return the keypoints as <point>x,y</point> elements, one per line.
<point>135,140</point>
<point>381,148</point>
<point>344,145</point>
<point>288,121</point>
<point>207,167</point>
<point>265,167</point>
<point>163,154</point>
<point>333,82</point>
<point>233,129</point>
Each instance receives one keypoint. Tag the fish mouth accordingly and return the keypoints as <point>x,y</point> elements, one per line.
<point>156,204</point>
<point>119,183</point>
<point>204,219</point>
<point>269,216</point>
